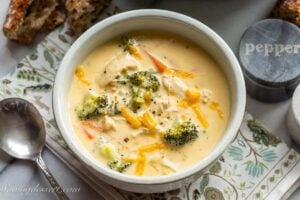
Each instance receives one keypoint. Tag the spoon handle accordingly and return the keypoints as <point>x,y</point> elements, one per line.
<point>58,190</point>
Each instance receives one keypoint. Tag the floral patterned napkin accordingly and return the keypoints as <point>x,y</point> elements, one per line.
<point>256,165</point>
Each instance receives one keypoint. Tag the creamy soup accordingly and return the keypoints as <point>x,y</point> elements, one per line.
<point>149,104</point>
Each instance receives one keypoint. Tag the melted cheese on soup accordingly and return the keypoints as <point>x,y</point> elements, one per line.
<point>149,104</point>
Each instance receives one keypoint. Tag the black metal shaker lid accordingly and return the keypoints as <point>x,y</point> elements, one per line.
<point>270,56</point>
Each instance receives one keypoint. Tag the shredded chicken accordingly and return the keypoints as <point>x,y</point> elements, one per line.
<point>166,162</point>
<point>109,124</point>
<point>138,132</point>
<point>163,161</point>
<point>121,62</point>
<point>205,95</point>
<point>174,85</point>
<point>166,105</point>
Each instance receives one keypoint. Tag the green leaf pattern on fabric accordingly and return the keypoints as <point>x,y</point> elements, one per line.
<point>212,193</point>
<point>49,58</point>
<point>236,152</point>
<point>204,182</point>
<point>261,135</point>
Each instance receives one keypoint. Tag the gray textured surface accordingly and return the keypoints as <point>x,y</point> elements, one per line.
<point>228,18</point>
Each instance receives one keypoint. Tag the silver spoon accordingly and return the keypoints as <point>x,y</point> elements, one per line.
<point>22,135</point>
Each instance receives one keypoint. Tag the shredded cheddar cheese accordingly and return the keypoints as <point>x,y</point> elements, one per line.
<point>201,118</point>
<point>221,114</point>
<point>152,147</point>
<point>148,120</point>
<point>216,107</point>
<point>183,103</point>
<point>135,51</point>
<point>81,75</point>
<point>130,117</point>
<point>193,95</point>
<point>141,160</point>
<point>129,160</point>
<point>180,73</point>
<point>140,165</point>
<point>147,97</point>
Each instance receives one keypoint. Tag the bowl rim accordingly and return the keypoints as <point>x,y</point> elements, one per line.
<point>295,104</point>
<point>229,134</point>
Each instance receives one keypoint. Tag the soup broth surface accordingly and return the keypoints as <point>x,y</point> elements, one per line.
<point>131,92</point>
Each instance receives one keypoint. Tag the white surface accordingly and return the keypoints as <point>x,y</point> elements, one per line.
<point>228,18</point>
<point>163,21</point>
<point>293,120</point>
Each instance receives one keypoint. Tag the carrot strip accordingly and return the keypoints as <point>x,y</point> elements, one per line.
<point>201,118</point>
<point>88,134</point>
<point>92,124</point>
<point>130,117</point>
<point>161,67</point>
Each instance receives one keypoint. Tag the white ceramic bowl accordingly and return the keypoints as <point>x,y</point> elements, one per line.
<point>155,20</point>
<point>293,117</point>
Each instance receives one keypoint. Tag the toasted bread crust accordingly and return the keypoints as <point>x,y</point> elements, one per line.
<point>15,17</point>
<point>288,10</point>
<point>82,13</point>
<point>26,17</point>
<point>57,17</point>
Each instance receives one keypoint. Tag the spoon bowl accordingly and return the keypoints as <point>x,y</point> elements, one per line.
<point>23,136</point>
<point>22,130</point>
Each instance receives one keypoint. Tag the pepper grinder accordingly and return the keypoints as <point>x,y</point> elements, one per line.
<point>270,58</point>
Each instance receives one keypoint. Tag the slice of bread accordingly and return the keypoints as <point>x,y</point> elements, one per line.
<point>82,13</point>
<point>288,10</point>
<point>26,17</point>
<point>56,18</point>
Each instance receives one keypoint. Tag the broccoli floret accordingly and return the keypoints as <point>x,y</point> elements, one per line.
<point>118,165</point>
<point>145,79</point>
<point>92,106</point>
<point>115,160</point>
<point>138,97</point>
<point>126,43</point>
<point>181,133</point>
<point>113,108</point>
